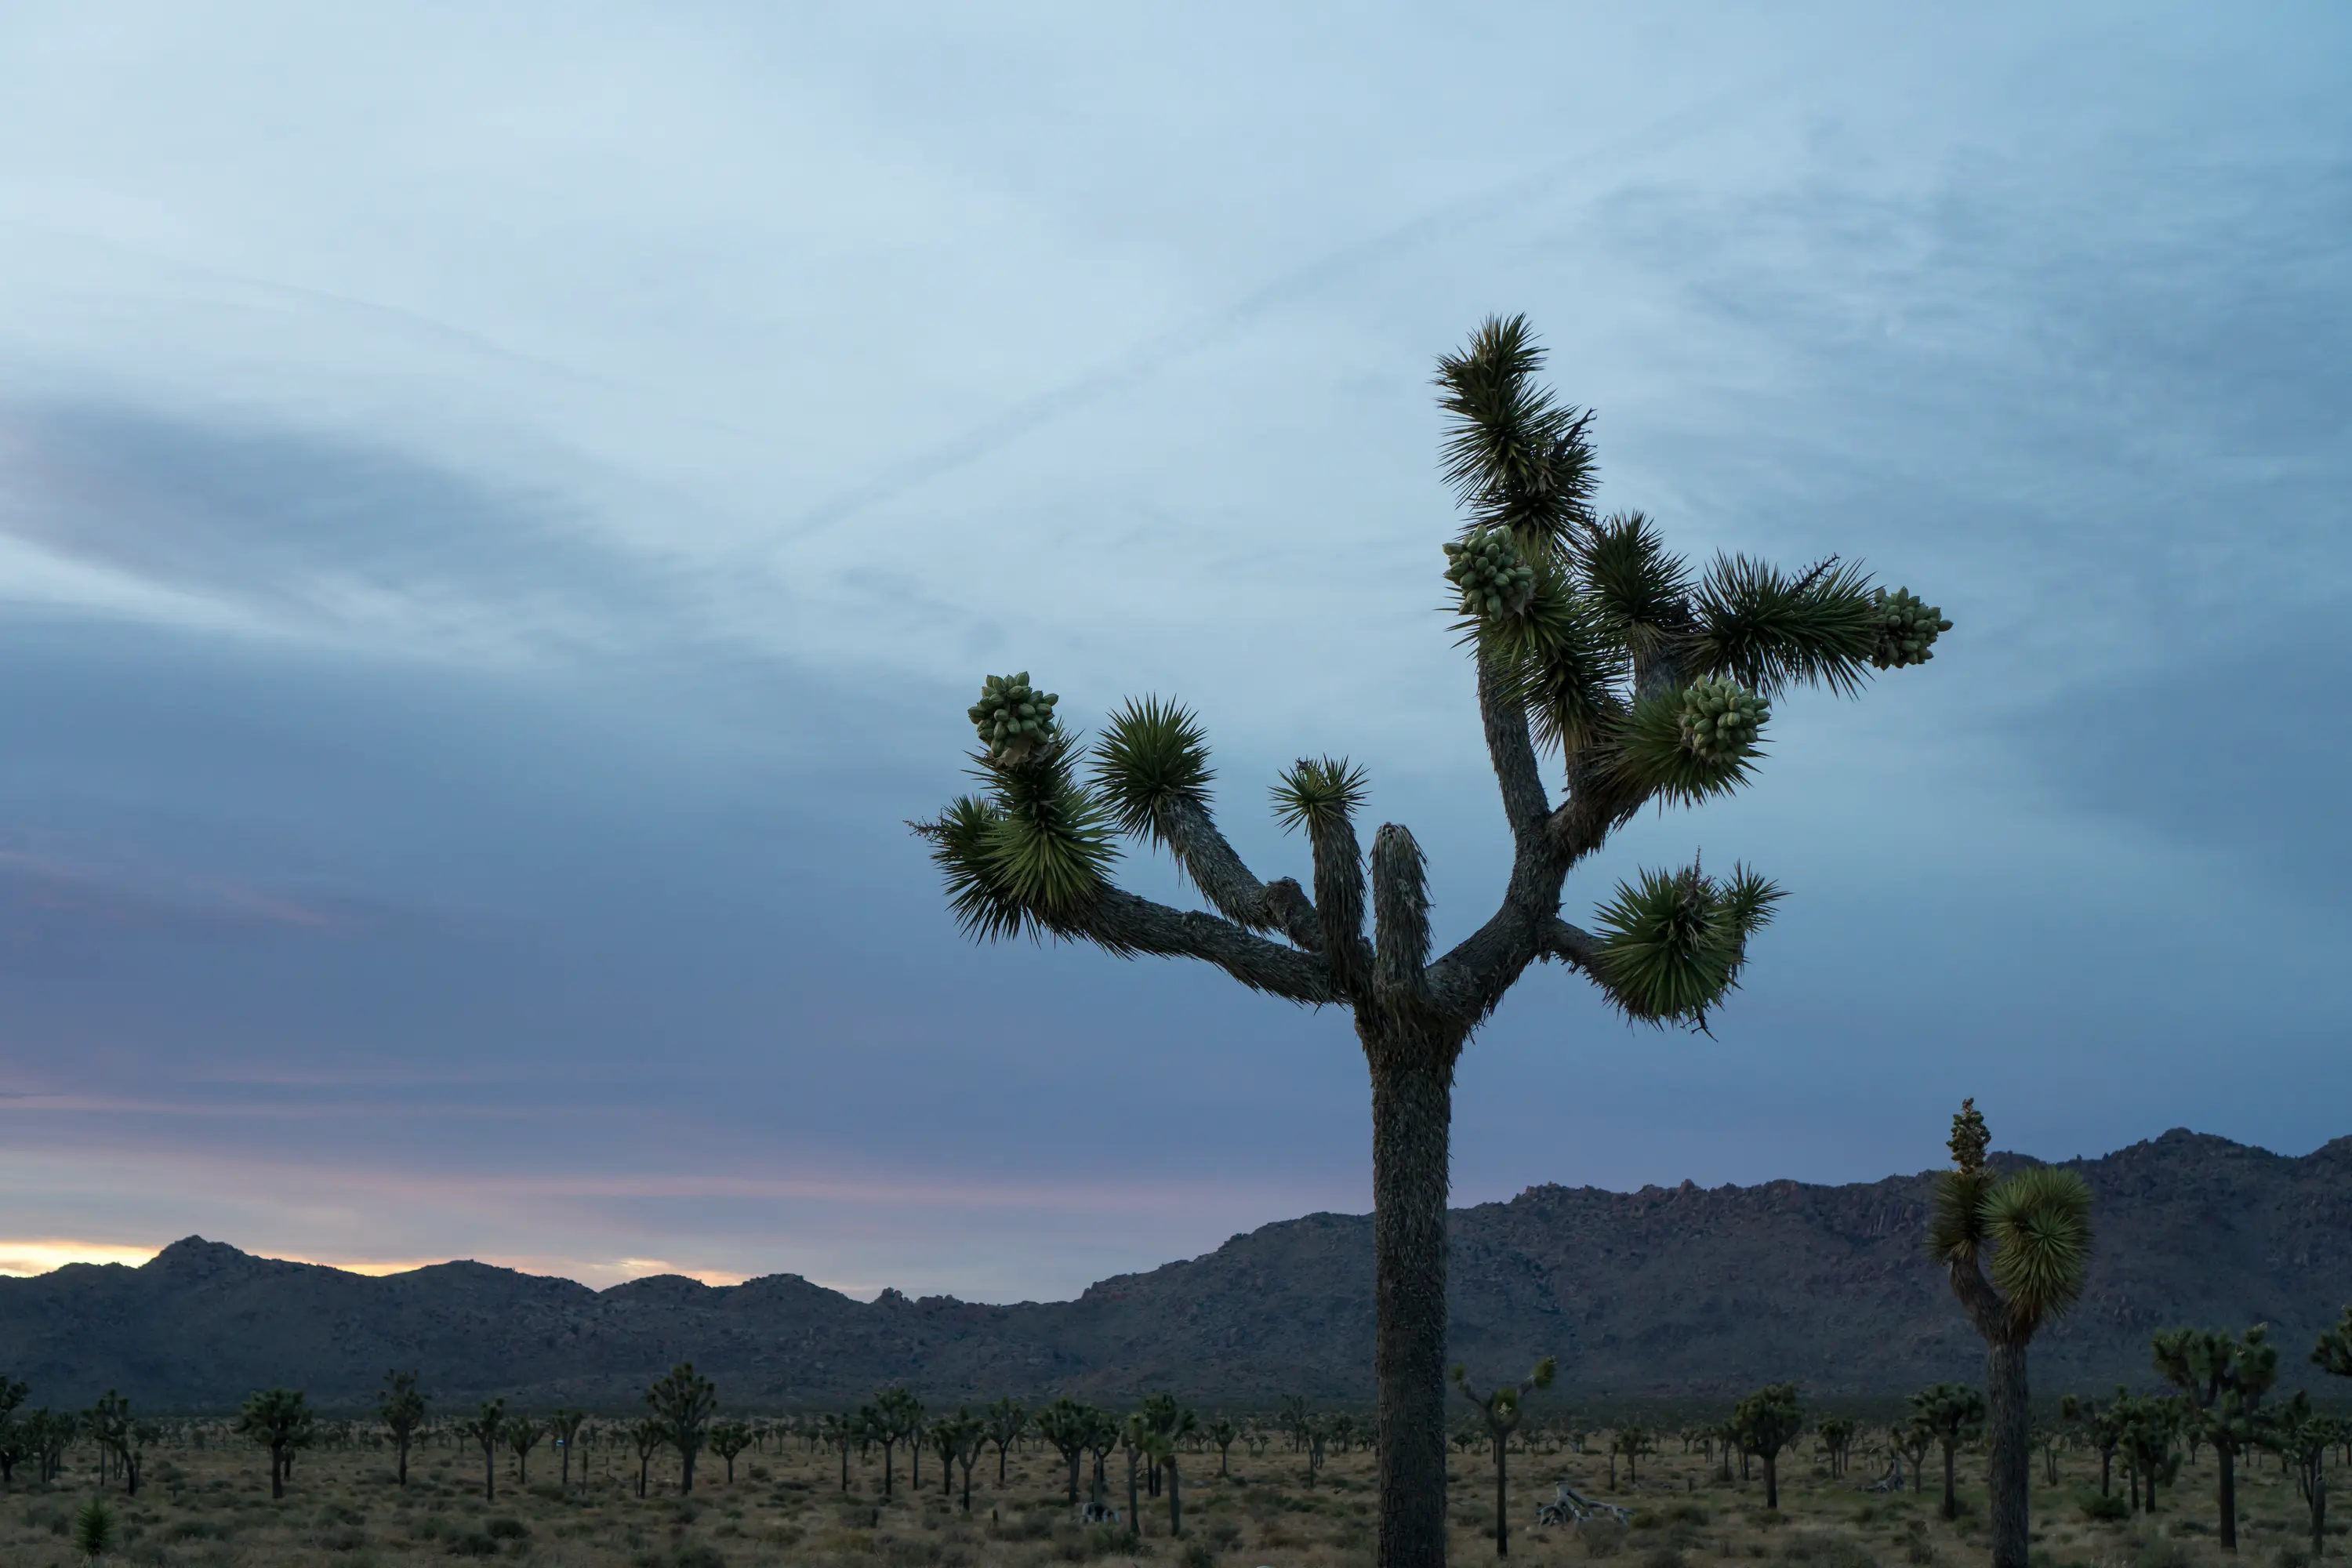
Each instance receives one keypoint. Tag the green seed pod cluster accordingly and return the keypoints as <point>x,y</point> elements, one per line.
<point>1012,718</point>
<point>1906,627</point>
<point>1493,578</point>
<point>1720,719</point>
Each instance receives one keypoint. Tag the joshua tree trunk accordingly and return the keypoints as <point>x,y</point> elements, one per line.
<point>2008,1422</point>
<point>1412,1109</point>
<point>1951,1500</point>
<point>1134,1514</point>
<point>1772,1478</point>
<point>2229,1458</point>
<point>1502,1503</point>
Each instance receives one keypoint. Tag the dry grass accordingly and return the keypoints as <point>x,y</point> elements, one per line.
<point>211,1508</point>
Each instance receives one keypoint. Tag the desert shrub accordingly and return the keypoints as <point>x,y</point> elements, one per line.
<point>2292,1555</point>
<point>698,1556</point>
<point>2107,1510</point>
<point>1814,1549</point>
<point>341,1538</point>
<point>2152,1550</point>
<point>473,1544</point>
<point>1602,1537</point>
<point>1664,1557</point>
<point>199,1530</point>
<point>507,1528</point>
<point>1223,1534</point>
<point>1199,1553</point>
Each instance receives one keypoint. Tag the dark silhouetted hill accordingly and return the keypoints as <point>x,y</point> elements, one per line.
<point>1683,1295</point>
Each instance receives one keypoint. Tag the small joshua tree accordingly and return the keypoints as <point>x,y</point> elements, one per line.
<point>563,1427</point>
<point>1765,1422</point>
<point>93,1528</point>
<point>1501,1411</point>
<point>1006,1421</point>
<point>1065,1426</point>
<point>898,1417</point>
<point>522,1436</point>
<point>1645,683</point>
<point>1952,1414</point>
<point>683,1402</point>
<point>278,1419</point>
<point>2222,1378</point>
<point>729,1438</point>
<point>1633,1440</point>
<point>647,1434</point>
<point>2016,1249</point>
<point>401,1408</point>
<point>487,1428</point>
<point>1222,1431</point>
<point>1836,1433</point>
<point>2302,1437</point>
<point>110,1427</point>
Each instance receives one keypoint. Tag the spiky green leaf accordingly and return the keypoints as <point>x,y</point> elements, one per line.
<point>2039,1222</point>
<point>984,908</point>
<point>1318,790</point>
<point>1517,458</point>
<point>1671,946</point>
<point>1661,750</point>
<point>1151,752</point>
<point>1770,631</point>
<point>1641,588</point>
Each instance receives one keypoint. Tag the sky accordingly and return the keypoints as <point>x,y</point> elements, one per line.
<point>502,511</point>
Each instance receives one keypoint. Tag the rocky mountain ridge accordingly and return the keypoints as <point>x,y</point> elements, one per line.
<point>1679,1295</point>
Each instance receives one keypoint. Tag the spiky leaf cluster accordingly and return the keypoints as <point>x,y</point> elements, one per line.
<point>1516,457</point>
<point>1495,578</point>
<point>1721,720</point>
<point>1673,943</point>
<point>1770,631</point>
<point>1908,628</point>
<point>1013,716</point>
<point>1316,791</point>
<point>1683,748</point>
<point>1152,753</point>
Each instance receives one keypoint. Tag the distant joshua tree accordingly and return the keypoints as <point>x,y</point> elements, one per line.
<point>278,1419</point>
<point>1952,1414</point>
<point>682,1403</point>
<point>523,1435</point>
<point>2035,1225</point>
<point>2223,1379</point>
<point>1007,1422</point>
<point>1065,1426</point>
<point>563,1427</point>
<point>1222,1432</point>
<point>1765,1422</point>
<point>897,1417</point>
<point>2302,1437</point>
<point>110,1427</point>
<point>1501,1410</point>
<point>1633,1440</point>
<point>1836,1433</point>
<point>647,1434</point>
<point>1646,681</point>
<point>488,1428</point>
<point>401,1408</point>
<point>729,1438</point>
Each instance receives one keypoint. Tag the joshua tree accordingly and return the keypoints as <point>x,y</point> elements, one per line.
<point>1222,1431</point>
<point>729,1438</point>
<point>2149,1429</point>
<point>965,1439</point>
<point>1647,682</point>
<point>1911,1440</point>
<point>1104,1433</point>
<point>1501,1411</point>
<point>401,1408</point>
<point>1952,1414</point>
<point>12,1446</point>
<point>647,1433</point>
<point>896,1416</point>
<point>1066,1425</point>
<point>93,1528</point>
<point>1007,1420</point>
<point>563,1427</point>
<point>2301,1438</point>
<point>1836,1433</point>
<point>1133,1434</point>
<point>488,1428</point>
<point>683,1402</point>
<point>2223,1379</point>
<point>841,1431</point>
<point>49,1434</point>
<point>2036,1225</point>
<point>111,1428</point>
<point>279,1420</point>
<point>1633,1440</point>
<point>522,1436</point>
<point>1765,1422</point>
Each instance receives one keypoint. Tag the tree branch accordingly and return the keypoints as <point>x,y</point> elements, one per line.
<point>1572,945</point>
<point>1340,899</point>
<point>1206,855</point>
<point>1399,914</point>
<point>1125,924</point>
<point>1512,752</point>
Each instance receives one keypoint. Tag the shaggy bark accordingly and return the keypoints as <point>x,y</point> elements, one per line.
<point>1413,1108</point>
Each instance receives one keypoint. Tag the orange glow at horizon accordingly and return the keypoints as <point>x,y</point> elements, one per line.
<point>24,1260</point>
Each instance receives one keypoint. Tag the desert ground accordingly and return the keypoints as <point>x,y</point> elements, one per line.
<point>210,1506</point>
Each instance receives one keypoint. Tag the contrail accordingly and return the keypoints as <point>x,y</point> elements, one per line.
<point>1155,353</point>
